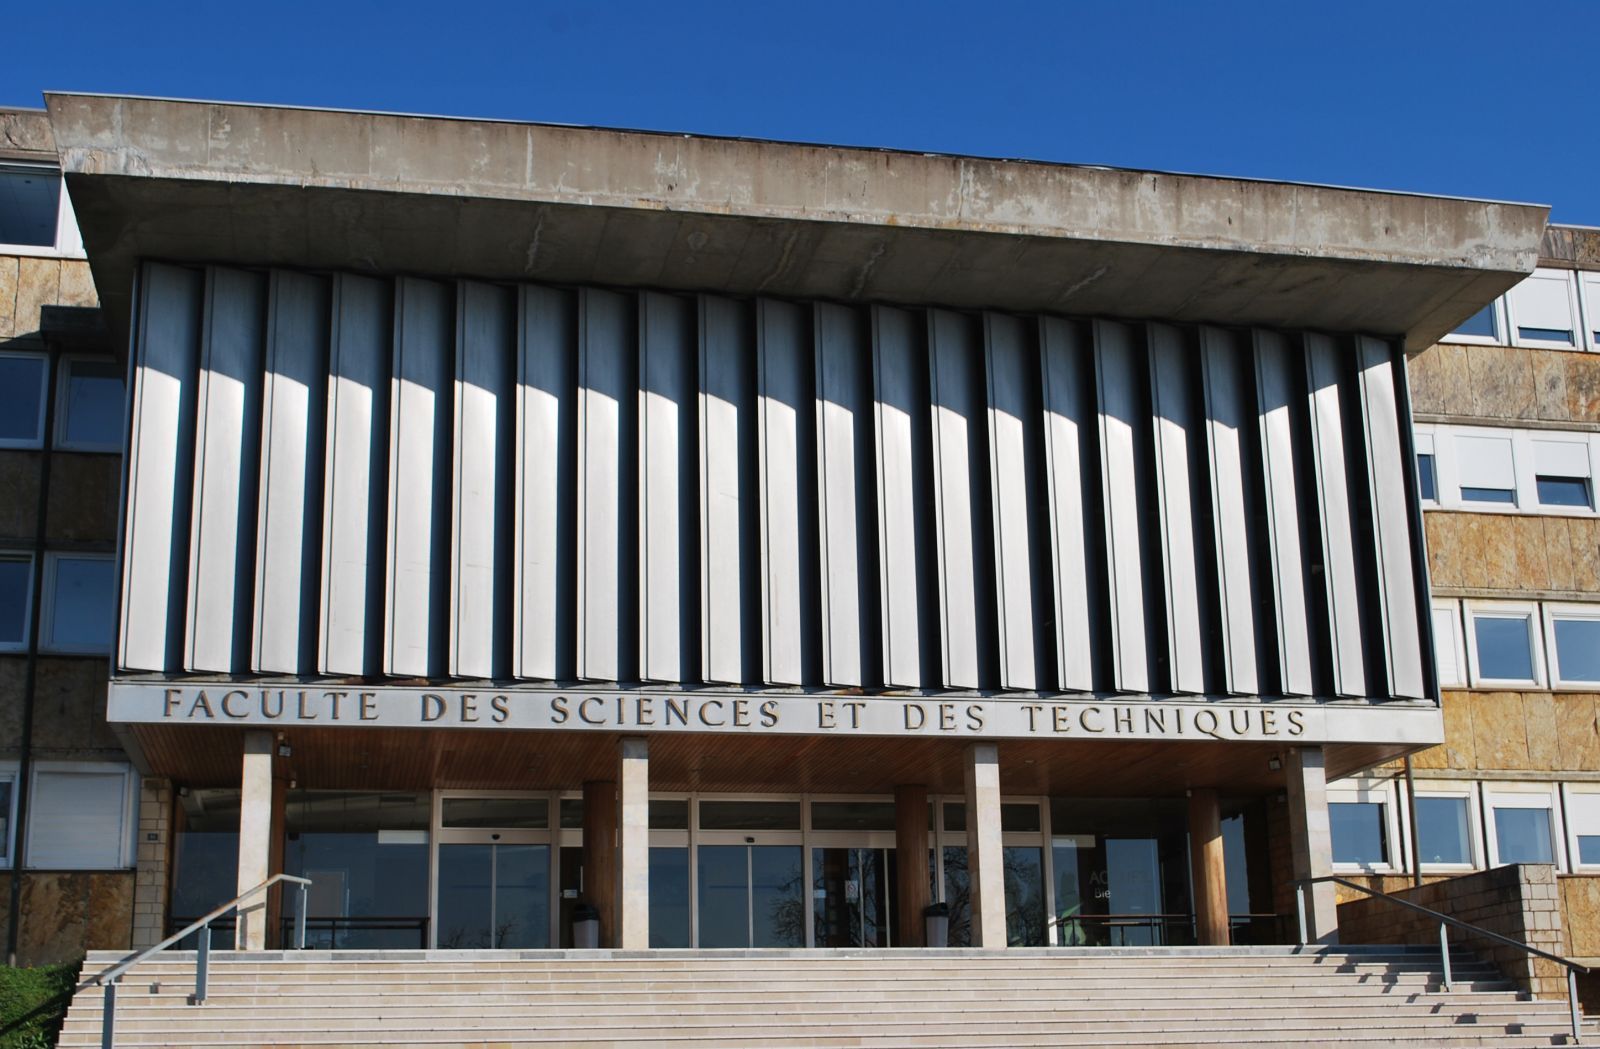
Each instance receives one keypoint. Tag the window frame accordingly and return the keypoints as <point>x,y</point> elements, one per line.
<point>1549,273</point>
<point>27,600</point>
<point>1552,611</point>
<point>1569,792</point>
<point>68,243</point>
<point>1476,850</point>
<point>58,438</point>
<point>1589,308</point>
<point>10,772</point>
<point>1499,308</point>
<point>1371,792</point>
<point>1458,676</point>
<point>47,600</point>
<point>1508,795</point>
<point>130,794</point>
<point>1423,443</point>
<point>1528,610</point>
<point>35,443</point>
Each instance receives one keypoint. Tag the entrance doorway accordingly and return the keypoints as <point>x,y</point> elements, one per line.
<point>493,894</point>
<point>853,896</point>
<point>750,896</point>
<point>492,871</point>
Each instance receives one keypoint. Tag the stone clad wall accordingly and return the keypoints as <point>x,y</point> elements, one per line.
<point>63,913</point>
<point>1518,901</point>
<point>1505,384</point>
<point>1529,731</point>
<point>1474,554</point>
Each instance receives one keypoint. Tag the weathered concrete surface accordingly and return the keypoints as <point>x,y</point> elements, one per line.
<point>1574,247</point>
<point>25,135</point>
<point>267,186</point>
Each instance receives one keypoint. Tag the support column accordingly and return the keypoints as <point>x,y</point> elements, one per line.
<point>600,855</point>
<point>255,838</point>
<point>911,863</point>
<point>986,881</point>
<point>1311,839</point>
<point>153,862</point>
<point>633,883</point>
<point>1210,868</point>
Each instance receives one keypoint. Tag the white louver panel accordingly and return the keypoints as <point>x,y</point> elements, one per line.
<point>356,476</point>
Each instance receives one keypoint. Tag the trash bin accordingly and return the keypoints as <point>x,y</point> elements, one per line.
<point>936,923</point>
<point>585,926</point>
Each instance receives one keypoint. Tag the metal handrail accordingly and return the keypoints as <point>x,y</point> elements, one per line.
<point>108,977</point>
<point>1301,885</point>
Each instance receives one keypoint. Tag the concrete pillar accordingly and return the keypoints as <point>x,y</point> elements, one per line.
<point>1311,839</point>
<point>600,855</point>
<point>1209,867</point>
<point>152,863</point>
<point>986,878</point>
<point>633,844</point>
<point>255,838</point>
<point>911,863</point>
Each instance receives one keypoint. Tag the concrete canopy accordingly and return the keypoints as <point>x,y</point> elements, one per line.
<point>258,185</point>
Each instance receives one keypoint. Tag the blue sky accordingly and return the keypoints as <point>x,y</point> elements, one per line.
<point>1460,97</point>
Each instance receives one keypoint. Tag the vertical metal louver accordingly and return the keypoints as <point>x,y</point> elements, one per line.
<point>361,477</point>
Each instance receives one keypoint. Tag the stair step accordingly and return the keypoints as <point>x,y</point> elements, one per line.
<point>912,999</point>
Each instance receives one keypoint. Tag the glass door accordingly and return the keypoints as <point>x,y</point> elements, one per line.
<point>750,896</point>
<point>852,896</point>
<point>493,895</point>
<point>492,872</point>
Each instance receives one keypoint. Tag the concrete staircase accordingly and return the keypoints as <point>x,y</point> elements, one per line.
<point>1351,996</point>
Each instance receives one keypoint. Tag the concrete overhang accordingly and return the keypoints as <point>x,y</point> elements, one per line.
<point>260,185</point>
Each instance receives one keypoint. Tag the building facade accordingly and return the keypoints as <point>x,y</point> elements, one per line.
<point>758,542</point>
<point>67,789</point>
<point>1506,417</point>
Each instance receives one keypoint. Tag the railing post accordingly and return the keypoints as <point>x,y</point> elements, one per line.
<point>202,964</point>
<point>108,1018</point>
<point>300,920</point>
<point>1444,953</point>
<point>1300,906</point>
<point>1572,1006</point>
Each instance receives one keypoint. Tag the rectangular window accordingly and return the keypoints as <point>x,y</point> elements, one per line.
<point>1502,644</point>
<point>30,205</point>
<point>1522,832</point>
<point>1591,307</point>
<point>8,800</point>
<point>1444,830</point>
<point>90,410</point>
<point>1562,473</point>
<point>1360,833</point>
<point>1427,472</point>
<point>749,815</point>
<point>1427,481</point>
<point>78,600</point>
<point>1485,324</point>
<point>79,818</point>
<point>1583,824</point>
<point>16,591</point>
<point>1487,469</point>
<point>1574,643</point>
<point>510,813</point>
<point>1544,309</point>
<point>22,400</point>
